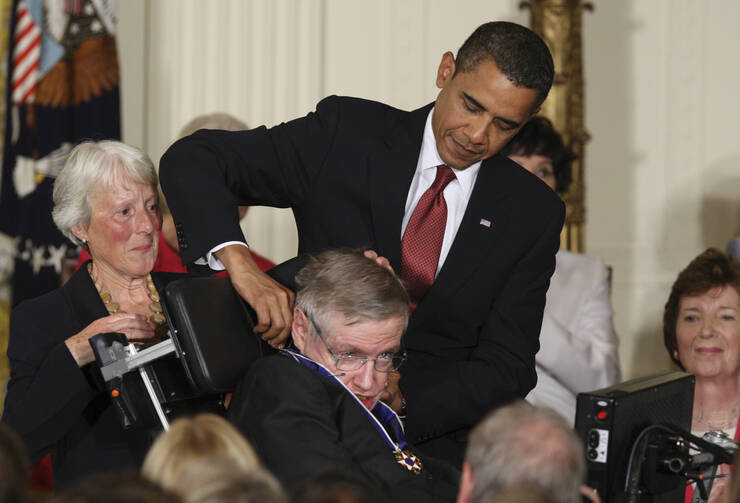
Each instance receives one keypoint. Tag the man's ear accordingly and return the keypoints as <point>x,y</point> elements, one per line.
<point>466,484</point>
<point>446,69</point>
<point>79,232</point>
<point>300,330</point>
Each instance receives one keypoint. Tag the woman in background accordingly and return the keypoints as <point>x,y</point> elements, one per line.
<point>204,459</point>
<point>578,345</point>
<point>701,331</point>
<point>202,438</point>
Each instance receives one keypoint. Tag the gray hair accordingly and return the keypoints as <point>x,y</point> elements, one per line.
<point>347,282</point>
<point>218,120</point>
<point>93,165</point>
<point>523,445</point>
<point>223,121</point>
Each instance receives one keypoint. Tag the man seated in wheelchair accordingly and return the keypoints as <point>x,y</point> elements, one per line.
<point>316,407</point>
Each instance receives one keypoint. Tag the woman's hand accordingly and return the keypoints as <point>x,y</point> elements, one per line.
<point>135,327</point>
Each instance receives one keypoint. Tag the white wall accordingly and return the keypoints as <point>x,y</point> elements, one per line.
<point>664,164</point>
<point>267,61</point>
<point>132,38</point>
<point>662,174</point>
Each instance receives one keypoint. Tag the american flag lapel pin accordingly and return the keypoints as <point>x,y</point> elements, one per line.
<point>485,222</point>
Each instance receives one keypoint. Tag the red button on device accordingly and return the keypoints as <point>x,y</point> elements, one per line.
<point>601,415</point>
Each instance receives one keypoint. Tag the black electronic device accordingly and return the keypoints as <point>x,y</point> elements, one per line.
<point>610,420</point>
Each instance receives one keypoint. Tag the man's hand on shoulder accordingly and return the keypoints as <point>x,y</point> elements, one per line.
<point>271,301</point>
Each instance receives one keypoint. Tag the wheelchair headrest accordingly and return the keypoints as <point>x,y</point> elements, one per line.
<point>213,327</point>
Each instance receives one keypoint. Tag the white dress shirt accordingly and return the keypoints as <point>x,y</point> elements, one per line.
<point>456,194</point>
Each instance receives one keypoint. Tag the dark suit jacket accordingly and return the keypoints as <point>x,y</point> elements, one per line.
<point>302,423</point>
<point>345,170</point>
<point>52,403</point>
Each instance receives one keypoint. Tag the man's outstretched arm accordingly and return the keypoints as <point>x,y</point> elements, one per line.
<point>205,177</point>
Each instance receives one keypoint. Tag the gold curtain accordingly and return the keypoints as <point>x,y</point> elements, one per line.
<point>5,6</point>
<point>558,22</point>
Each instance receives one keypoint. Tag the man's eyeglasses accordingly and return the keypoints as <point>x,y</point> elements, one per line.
<point>386,362</point>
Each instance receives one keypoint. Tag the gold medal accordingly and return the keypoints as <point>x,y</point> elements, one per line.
<point>409,460</point>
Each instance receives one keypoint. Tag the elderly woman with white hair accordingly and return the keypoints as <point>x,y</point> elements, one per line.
<point>105,199</point>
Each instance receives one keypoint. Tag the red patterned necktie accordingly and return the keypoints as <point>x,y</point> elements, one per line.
<point>422,241</point>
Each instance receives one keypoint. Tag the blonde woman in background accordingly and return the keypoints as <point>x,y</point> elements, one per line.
<point>208,481</point>
<point>194,439</point>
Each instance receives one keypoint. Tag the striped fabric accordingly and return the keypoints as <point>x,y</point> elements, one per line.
<point>26,56</point>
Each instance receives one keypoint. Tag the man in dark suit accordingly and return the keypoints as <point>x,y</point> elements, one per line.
<point>317,407</point>
<point>360,174</point>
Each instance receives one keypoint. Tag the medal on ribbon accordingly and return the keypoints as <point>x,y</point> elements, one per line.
<point>409,460</point>
<point>385,420</point>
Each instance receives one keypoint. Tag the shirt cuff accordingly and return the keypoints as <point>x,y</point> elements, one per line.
<point>210,259</point>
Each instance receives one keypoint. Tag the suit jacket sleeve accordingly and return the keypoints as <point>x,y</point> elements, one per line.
<point>47,392</point>
<point>582,354</point>
<point>206,175</point>
<point>500,367</point>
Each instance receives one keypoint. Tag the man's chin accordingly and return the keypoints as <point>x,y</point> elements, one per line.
<point>368,402</point>
<point>458,157</point>
<point>458,163</point>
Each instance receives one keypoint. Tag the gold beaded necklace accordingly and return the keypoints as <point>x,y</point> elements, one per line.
<point>113,307</point>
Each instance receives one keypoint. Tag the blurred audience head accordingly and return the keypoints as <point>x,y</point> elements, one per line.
<point>519,445</point>
<point>520,494</point>
<point>115,487</point>
<point>350,314</point>
<point>707,289</point>
<point>219,120</point>
<point>539,149</point>
<point>336,486</point>
<point>14,467</point>
<point>204,437</point>
<point>208,481</point>
<point>223,121</point>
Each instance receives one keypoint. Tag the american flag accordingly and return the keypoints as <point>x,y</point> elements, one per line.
<point>26,56</point>
<point>62,87</point>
